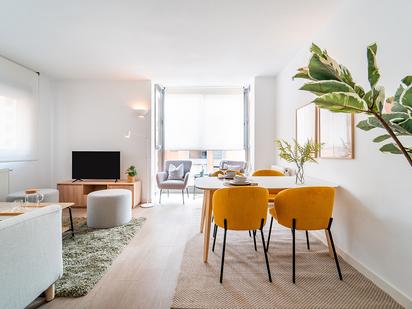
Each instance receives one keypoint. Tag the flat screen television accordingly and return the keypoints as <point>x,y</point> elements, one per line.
<point>95,165</point>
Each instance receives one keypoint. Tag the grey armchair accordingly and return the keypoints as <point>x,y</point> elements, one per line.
<point>165,184</point>
<point>241,164</point>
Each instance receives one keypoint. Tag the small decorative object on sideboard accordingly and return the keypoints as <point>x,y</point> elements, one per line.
<point>131,173</point>
<point>298,154</point>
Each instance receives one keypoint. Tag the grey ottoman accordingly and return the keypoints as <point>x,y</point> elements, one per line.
<point>109,208</point>
<point>50,195</point>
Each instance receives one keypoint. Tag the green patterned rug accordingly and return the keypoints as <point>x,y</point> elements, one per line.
<point>88,255</point>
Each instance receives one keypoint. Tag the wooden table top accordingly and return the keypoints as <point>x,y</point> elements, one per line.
<point>6,208</point>
<point>268,182</point>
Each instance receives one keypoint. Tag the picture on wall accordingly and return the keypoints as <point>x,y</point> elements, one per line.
<point>306,123</point>
<point>336,134</point>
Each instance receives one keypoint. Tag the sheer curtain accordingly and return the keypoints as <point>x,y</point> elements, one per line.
<point>18,112</point>
<point>204,119</point>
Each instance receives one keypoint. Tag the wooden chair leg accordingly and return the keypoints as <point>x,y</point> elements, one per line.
<point>50,292</point>
<point>160,196</point>
<point>223,252</point>
<point>183,196</point>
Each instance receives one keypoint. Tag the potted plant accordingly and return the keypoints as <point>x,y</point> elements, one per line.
<point>336,90</point>
<point>131,173</point>
<point>298,154</point>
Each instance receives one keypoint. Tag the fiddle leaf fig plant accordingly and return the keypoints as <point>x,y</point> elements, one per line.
<point>335,90</point>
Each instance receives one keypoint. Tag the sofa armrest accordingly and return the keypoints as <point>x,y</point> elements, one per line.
<point>161,177</point>
<point>31,255</point>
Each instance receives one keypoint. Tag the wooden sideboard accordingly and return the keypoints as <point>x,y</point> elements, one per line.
<point>77,192</point>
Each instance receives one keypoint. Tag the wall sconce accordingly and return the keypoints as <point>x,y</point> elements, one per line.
<point>141,113</point>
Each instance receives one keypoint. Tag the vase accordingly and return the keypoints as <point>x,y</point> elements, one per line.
<point>131,178</point>
<point>300,175</point>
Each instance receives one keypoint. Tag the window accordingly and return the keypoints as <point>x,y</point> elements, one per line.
<point>204,125</point>
<point>18,112</point>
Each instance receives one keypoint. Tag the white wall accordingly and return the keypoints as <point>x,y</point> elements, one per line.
<point>96,115</point>
<point>264,121</point>
<point>37,174</point>
<point>373,209</point>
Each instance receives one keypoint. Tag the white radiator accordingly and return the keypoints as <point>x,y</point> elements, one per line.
<point>4,183</point>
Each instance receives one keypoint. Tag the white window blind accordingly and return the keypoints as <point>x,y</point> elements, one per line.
<point>204,119</point>
<point>18,112</point>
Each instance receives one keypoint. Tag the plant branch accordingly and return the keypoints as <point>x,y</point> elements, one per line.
<point>394,137</point>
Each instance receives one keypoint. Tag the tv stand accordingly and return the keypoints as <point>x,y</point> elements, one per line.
<point>76,190</point>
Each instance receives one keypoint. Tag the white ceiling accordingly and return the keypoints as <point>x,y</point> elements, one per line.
<point>182,41</point>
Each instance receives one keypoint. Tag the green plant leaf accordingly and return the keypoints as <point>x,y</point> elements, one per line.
<point>326,86</point>
<point>373,71</point>
<point>342,102</point>
<point>391,148</point>
<point>381,138</point>
<point>380,100</point>
<point>323,69</point>
<point>315,49</point>
<point>365,125</point>
<point>406,97</point>
<point>302,73</point>
<point>407,80</point>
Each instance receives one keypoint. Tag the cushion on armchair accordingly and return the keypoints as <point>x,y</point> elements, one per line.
<point>175,173</point>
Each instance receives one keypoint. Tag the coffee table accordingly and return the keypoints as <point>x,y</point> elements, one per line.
<point>6,211</point>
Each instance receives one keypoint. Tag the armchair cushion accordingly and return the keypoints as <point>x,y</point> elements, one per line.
<point>175,173</point>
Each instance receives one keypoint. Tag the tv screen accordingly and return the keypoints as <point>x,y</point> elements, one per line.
<point>96,164</point>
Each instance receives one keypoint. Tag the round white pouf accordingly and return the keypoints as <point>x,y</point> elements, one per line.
<point>109,208</point>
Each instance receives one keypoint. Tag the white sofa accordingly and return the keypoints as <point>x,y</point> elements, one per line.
<point>30,256</point>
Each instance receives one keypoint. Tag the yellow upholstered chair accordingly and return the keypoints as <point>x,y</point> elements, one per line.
<point>240,209</point>
<point>272,193</point>
<point>308,208</point>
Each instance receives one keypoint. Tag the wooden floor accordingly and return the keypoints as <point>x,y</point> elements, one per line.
<point>145,274</point>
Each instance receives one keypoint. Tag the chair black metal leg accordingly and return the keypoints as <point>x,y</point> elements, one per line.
<point>187,191</point>
<point>293,250</point>
<point>333,249</point>
<point>160,196</point>
<point>250,235</point>
<point>214,238</point>
<point>183,196</point>
<point>307,240</point>
<point>270,232</point>
<point>254,239</point>
<point>265,250</point>
<point>223,252</point>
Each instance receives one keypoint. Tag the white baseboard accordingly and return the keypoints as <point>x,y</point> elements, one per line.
<point>397,295</point>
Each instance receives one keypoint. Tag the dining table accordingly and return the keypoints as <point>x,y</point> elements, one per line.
<point>273,183</point>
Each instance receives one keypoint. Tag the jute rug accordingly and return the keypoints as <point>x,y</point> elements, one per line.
<point>246,284</point>
<point>88,255</point>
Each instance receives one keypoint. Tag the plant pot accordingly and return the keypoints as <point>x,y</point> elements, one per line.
<point>131,178</point>
<point>300,175</point>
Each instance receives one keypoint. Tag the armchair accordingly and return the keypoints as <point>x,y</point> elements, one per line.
<point>174,184</point>
<point>241,165</point>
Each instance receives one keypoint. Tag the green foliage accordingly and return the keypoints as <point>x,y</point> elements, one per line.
<point>335,90</point>
<point>299,154</point>
<point>131,171</point>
